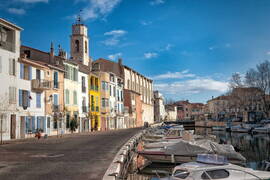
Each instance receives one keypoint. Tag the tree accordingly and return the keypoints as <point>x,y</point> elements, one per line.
<point>260,78</point>
<point>236,81</point>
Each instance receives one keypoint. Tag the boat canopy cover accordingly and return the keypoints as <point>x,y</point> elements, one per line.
<point>212,159</point>
<point>204,146</point>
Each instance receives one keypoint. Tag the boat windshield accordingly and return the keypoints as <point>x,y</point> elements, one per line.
<point>182,174</point>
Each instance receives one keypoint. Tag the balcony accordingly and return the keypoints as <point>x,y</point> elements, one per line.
<point>84,109</point>
<point>55,108</point>
<point>40,85</point>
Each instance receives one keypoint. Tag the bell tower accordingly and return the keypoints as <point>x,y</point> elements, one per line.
<point>79,42</point>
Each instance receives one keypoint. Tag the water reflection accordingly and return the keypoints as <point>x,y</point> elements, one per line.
<point>255,148</point>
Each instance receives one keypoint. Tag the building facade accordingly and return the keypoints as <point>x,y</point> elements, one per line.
<point>9,55</point>
<point>94,100</point>
<point>159,108</point>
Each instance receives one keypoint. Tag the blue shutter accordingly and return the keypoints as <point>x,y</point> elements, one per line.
<point>30,72</point>
<point>38,123</point>
<point>28,98</point>
<point>33,123</point>
<point>20,97</point>
<point>55,99</point>
<point>38,100</point>
<point>26,124</point>
<point>21,71</point>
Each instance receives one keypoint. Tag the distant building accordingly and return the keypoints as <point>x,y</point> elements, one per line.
<point>159,108</point>
<point>171,112</point>
<point>183,110</point>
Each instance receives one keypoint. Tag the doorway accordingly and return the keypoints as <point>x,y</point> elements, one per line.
<point>13,126</point>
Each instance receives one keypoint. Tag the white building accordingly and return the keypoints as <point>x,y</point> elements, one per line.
<point>159,108</point>
<point>31,97</point>
<point>9,54</point>
<point>120,103</point>
<point>171,113</point>
<point>79,51</point>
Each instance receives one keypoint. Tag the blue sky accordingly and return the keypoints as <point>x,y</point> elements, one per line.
<point>189,47</point>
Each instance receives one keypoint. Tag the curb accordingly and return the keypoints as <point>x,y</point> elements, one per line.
<point>118,165</point>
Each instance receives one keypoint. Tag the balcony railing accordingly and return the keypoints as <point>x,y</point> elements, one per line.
<point>40,85</point>
<point>84,109</point>
<point>7,46</point>
<point>55,108</point>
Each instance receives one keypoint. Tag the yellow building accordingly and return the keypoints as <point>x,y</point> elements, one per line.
<point>94,95</point>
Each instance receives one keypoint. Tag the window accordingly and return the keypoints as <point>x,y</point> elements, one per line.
<point>182,174</point>
<point>12,67</point>
<point>55,99</point>
<point>104,102</point>
<point>67,96</point>
<point>12,95</point>
<point>55,80</point>
<point>48,122</point>
<point>83,84</point>
<point>74,97</point>
<point>114,91</point>
<point>38,74</point>
<point>110,90</point>
<point>24,98</point>
<point>67,120</point>
<point>75,74</point>
<point>38,100</point>
<point>85,46</point>
<point>77,46</point>
<point>215,174</point>
<point>25,72</point>
<point>111,77</point>
<point>27,53</point>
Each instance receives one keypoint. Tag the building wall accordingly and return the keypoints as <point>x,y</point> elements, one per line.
<point>104,93</point>
<point>85,124</point>
<point>94,102</point>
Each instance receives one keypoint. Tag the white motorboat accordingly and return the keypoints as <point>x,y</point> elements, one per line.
<point>264,129</point>
<point>215,167</point>
<point>186,151</point>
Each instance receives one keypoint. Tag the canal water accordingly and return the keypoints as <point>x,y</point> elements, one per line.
<point>255,148</point>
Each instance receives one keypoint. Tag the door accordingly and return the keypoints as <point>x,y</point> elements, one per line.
<point>38,74</point>
<point>22,131</point>
<point>13,126</point>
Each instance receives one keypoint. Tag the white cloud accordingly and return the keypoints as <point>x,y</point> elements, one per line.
<point>146,23</point>
<point>157,2</point>
<point>34,1</point>
<point>115,33</point>
<point>174,75</point>
<point>168,47</point>
<point>99,8</point>
<point>194,86</point>
<point>114,37</point>
<point>115,56</point>
<point>16,11</point>
<point>150,55</point>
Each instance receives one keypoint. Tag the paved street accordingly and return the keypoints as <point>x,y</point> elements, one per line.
<point>84,156</point>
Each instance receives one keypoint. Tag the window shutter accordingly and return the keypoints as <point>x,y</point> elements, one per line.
<point>30,72</point>
<point>14,67</point>
<point>21,71</point>
<point>10,66</point>
<point>20,97</point>
<point>28,99</point>
<point>38,99</point>
<point>55,99</point>
<point>33,123</point>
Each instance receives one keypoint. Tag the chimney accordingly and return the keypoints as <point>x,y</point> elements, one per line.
<point>51,60</point>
